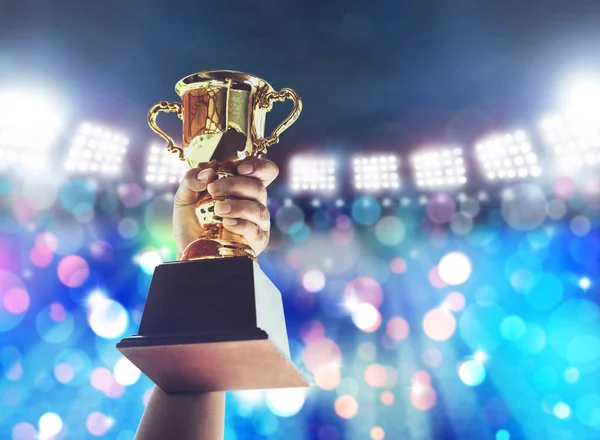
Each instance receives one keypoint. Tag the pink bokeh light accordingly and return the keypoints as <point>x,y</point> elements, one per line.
<point>101,378</point>
<point>441,208</point>
<point>47,240</point>
<point>98,423</point>
<point>364,290</point>
<point>73,271</point>
<point>439,324</point>
<point>423,398</point>
<point>312,331</point>
<point>321,352</point>
<point>397,328</point>
<point>16,301</point>
<point>398,265</point>
<point>64,373</point>
<point>57,312</point>
<point>41,256</point>
<point>455,301</point>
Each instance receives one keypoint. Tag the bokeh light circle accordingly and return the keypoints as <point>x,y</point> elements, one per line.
<point>423,397</point>
<point>108,318</point>
<point>439,324</point>
<point>321,352</point>
<point>50,424</point>
<point>328,377</point>
<point>471,372</point>
<point>524,206</point>
<point>24,431</point>
<point>366,210</point>
<point>285,402</point>
<point>10,286</point>
<point>512,327</point>
<point>441,208</point>
<point>376,375</point>
<point>73,271</point>
<point>397,328</point>
<point>98,424</point>
<point>125,372</point>
<point>364,290</point>
<point>455,268</point>
<point>346,406</point>
<point>366,317</point>
<point>313,280</point>
<point>389,231</point>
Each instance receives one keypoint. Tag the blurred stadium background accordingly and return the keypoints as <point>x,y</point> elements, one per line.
<point>447,293</point>
<point>435,227</point>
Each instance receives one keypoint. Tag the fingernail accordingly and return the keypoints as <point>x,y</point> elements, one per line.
<point>215,186</point>
<point>230,221</point>
<point>222,208</point>
<point>203,175</point>
<point>245,168</point>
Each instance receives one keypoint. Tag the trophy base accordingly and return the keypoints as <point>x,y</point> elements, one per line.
<point>219,362</point>
<point>213,325</point>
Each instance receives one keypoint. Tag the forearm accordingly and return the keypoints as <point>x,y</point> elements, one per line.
<point>183,416</point>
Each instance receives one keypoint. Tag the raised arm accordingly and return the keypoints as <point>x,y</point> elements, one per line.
<point>201,416</point>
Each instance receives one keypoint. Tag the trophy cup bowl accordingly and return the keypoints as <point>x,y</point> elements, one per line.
<point>213,321</point>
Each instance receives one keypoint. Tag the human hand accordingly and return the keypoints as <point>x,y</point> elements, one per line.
<point>244,213</point>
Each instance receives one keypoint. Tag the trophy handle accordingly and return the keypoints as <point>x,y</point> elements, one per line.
<point>167,107</point>
<point>266,100</point>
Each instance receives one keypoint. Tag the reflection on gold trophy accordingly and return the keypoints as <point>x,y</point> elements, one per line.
<point>214,321</point>
<point>223,115</point>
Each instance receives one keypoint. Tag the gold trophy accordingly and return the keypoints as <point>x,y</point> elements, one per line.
<point>214,321</point>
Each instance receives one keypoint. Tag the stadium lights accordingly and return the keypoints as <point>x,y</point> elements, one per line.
<point>508,156</point>
<point>574,138</point>
<point>28,127</point>
<point>96,150</point>
<point>309,173</point>
<point>164,167</point>
<point>376,173</point>
<point>440,168</point>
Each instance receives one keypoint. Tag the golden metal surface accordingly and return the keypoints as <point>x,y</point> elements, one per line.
<point>223,113</point>
<point>167,107</point>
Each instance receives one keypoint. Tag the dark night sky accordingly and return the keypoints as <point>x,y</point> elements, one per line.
<point>385,72</point>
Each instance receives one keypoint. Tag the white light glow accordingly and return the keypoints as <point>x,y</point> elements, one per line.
<point>585,283</point>
<point>125,372</point>
<point>574,135</point>
<point>581,95</point>
<point>96,150</point>
<point>480,356</point>
<point>164,167</point>
<point>107,318</point>
<point>29,125</point>
<point>455,268</point>
<point>50,424</point>
<point>313,174</point>
<point>439,168</point>
<point>365,316</point>
<point>376,173</point>
<point>507,156</point>
<point>285,402</point>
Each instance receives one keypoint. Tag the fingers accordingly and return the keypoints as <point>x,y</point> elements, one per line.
<point>192,183</point>
<point>261,169</point>
<point>254,212</point>
<point>256,237</point>
<point>240,187</point>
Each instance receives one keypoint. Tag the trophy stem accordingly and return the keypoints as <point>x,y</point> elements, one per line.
<point>215,241</point>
